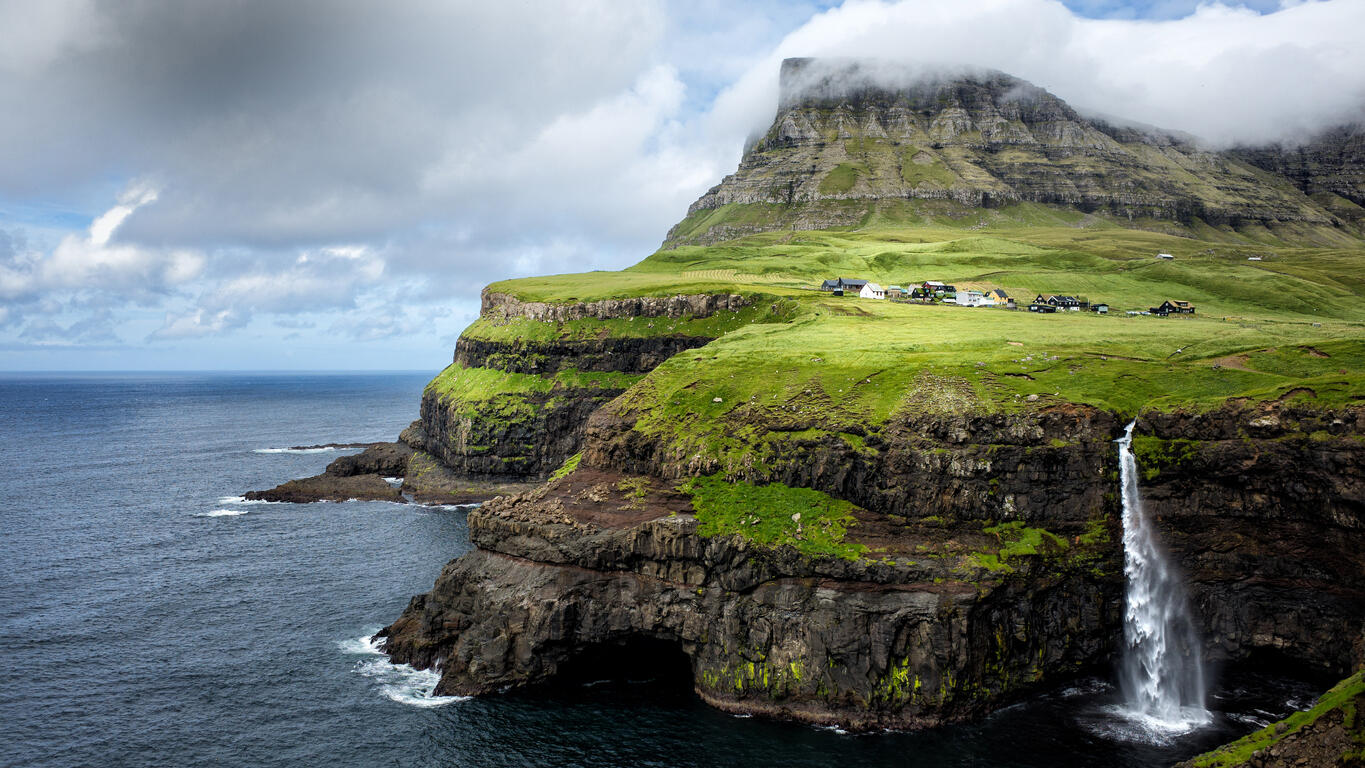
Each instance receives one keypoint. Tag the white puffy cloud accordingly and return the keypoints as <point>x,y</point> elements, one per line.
<point>91,263</point>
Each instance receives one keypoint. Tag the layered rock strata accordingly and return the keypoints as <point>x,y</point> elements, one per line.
<point>527,435</point>
<point>852,136</point>
<point>599,560</point>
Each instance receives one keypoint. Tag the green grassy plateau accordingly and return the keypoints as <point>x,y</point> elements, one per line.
<point>1290,324</point>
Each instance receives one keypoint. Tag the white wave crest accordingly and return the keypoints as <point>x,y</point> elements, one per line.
<point>244,500</point>
<point>318,449</point>
<point>397,682</point>
<point>394,481</point>
<point>222,513</point>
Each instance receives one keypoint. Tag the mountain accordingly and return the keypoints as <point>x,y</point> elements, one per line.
<point>858,141</point>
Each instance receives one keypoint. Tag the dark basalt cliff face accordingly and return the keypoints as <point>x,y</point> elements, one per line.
<point>527,436</point>
<point>919,631</point>
<point>848,131</point>
<point>1264,509</point>
<point>581,569</point>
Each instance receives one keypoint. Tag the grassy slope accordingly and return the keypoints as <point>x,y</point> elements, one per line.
<point>1344,696</point>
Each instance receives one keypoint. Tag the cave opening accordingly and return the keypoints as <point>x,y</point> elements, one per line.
<point>635,660</point>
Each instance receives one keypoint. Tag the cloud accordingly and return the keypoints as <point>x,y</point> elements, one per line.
<point>92,263</point>
<point>1227,74</point>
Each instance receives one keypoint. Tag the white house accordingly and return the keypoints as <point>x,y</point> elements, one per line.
<point>974,299</point>
<point>1165,256</point>
<point>872,291</point>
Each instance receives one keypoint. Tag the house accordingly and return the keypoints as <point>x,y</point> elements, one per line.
<point>1173,308</point>
<point>894,291</point>
<point>842,284</point>
<point>932,287</point>
<point>1101,308</point>
<point>999,296</point>
<point>1165,256</point>
<point>974,299</point>
<point>1253,258</point>
<point>1069,303</point>
<point>1041,307</point>
<point>872,291</point>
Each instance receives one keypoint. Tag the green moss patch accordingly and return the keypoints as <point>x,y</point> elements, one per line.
<point>814,523</point>
<point>1018,540</point>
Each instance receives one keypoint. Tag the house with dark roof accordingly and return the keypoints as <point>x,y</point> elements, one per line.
<point>843,284</point>
<point>1069,303</point>
<point>1172,307</point>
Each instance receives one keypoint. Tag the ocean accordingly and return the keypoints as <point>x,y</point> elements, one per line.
<point>151,617</point>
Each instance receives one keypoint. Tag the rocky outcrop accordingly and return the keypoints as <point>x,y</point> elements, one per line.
<point>852,137</point>
<point>516,437</point>
<point>1038,467</point>
<point>597,563</point>
<point>359,477</point>
<point>523,435</point>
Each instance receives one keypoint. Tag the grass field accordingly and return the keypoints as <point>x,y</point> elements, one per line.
<point>1290,325</point>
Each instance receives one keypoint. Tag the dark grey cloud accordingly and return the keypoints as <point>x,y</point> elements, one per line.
<point>269,124</point>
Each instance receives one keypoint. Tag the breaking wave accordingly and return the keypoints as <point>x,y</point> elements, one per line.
<point>222,513</point>
<point>396,682</point>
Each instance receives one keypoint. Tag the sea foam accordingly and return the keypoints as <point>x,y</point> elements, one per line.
<point>222,513</point>
<point>396,682</point>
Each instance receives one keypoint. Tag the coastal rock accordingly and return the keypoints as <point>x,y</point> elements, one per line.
<point>359,477</point>
<point>598,564</point>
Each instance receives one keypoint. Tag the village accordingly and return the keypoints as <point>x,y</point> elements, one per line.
<point>936,292</point>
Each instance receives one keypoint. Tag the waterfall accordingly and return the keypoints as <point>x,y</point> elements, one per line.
<point>1162,677</point>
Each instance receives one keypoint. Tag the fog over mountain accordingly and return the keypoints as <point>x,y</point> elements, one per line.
<point>329,184</point>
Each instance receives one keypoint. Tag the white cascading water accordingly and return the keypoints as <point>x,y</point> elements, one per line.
<point>1162,676</point>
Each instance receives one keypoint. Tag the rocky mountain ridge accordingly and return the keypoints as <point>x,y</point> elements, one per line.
<point>848,138</point>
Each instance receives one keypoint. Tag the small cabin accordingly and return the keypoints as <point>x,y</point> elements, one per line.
<point>1100,308</point>
<point>1165,256</point>
<point>894,291</point>
<point>1041,307</point>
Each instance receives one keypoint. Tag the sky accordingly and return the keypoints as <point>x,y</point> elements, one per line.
<point>328,184</point>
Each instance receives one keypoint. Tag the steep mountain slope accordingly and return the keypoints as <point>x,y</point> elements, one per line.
<point>851,142</point>
<point>1330,167</point>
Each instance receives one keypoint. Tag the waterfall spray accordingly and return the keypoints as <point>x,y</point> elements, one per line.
<point>1162,677</point>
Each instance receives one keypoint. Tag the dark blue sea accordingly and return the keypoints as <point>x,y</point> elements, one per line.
<point>152,618</point>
